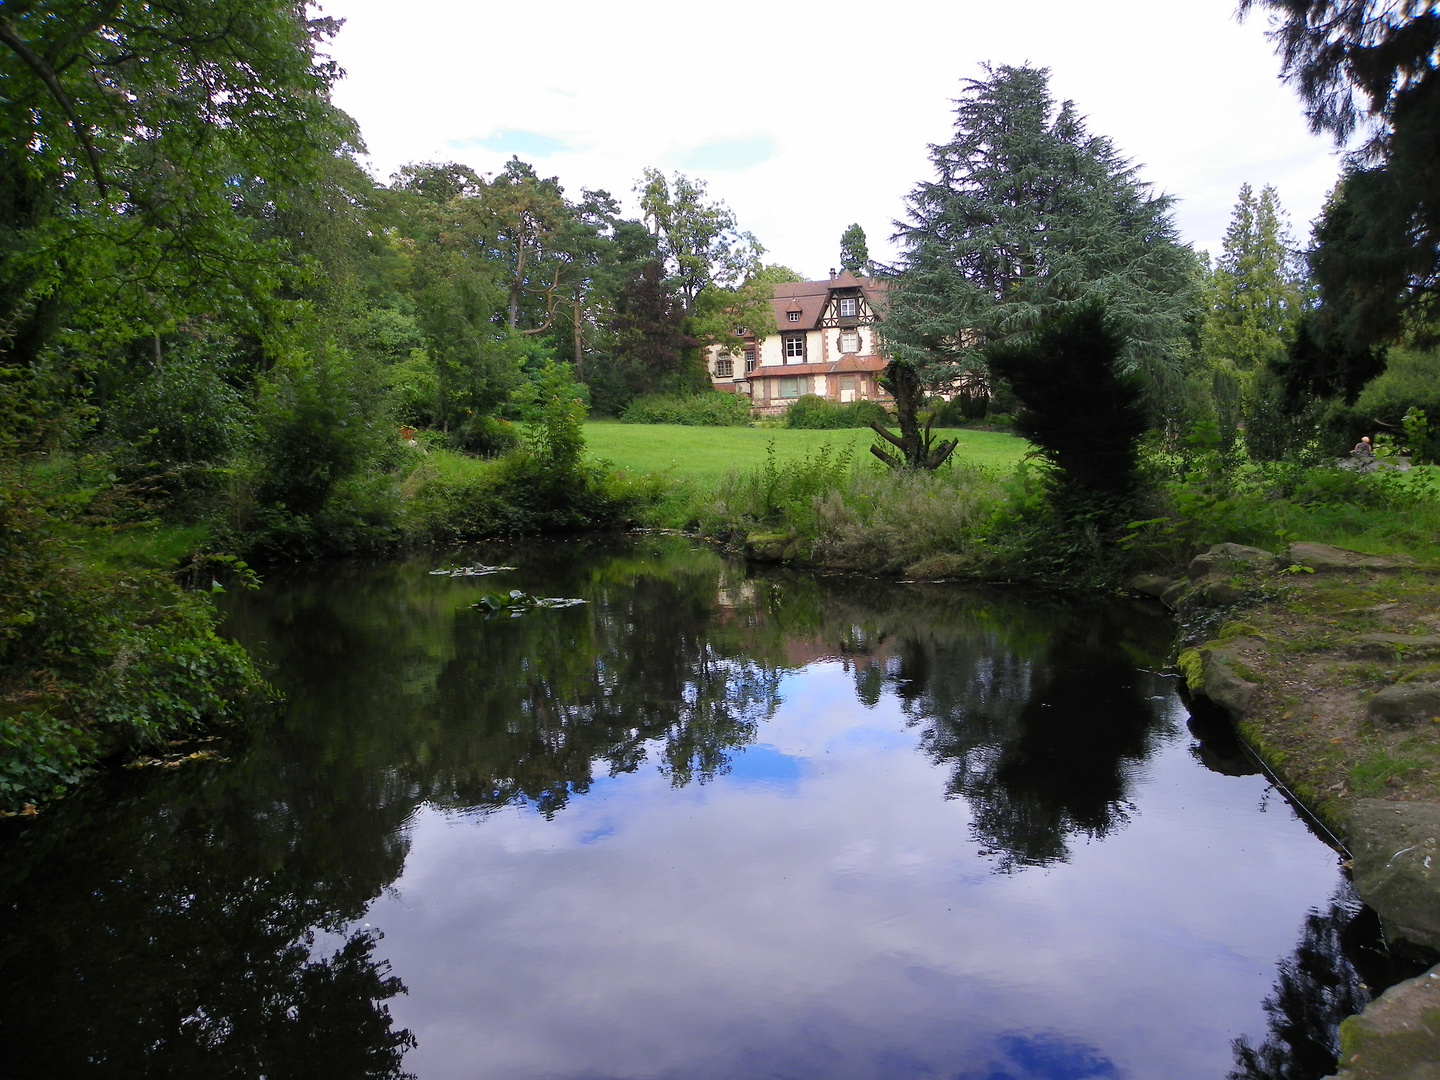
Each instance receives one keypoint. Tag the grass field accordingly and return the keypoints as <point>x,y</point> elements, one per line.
<point>708,453</point>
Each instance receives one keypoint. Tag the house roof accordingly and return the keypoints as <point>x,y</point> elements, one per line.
<point>810,298</point>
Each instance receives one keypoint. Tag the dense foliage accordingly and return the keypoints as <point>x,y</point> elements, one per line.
<point>1370,68</point>
<point>1079,407</point>
<point>219,335</point>
<point>1027,215</point>
<point>714,409</point>
<point>815,412</point>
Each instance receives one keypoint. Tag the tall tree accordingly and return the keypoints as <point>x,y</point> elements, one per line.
<point>653,352</point>
<point>700,242</point>
<point>1369,68</point>
<point>1254,298</point>
<point>1258,286</point>
<point>1028,215</point>
<point>854,252</point>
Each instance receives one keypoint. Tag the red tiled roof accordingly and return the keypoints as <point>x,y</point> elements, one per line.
<point>810,297</point>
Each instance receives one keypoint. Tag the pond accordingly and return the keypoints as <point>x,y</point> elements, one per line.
<point>713,822</point>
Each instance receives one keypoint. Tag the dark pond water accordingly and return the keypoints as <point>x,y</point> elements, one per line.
<point>709,824</point>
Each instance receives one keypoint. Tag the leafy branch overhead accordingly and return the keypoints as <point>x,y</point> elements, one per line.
<point>1371,69</point>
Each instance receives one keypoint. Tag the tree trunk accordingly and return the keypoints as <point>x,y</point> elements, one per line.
<point>917,449</point>
<point>579,351</point>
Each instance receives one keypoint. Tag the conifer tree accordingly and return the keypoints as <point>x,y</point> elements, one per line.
<point>854,251</point>
<point>1369,68</point>
<point>1254,299</point>
<point>1029,214</point>
<point>1079,407</point>
<point>1258,288</point>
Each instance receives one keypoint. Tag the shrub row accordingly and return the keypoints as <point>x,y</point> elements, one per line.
<point>815,412</point>
<point>716,409</point>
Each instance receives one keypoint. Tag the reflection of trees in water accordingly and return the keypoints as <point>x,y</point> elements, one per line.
<point>198,925</point>
<point>1041,713</point>
<point>527,708</point>
<point>1339,964</point>
<point>173,932</point>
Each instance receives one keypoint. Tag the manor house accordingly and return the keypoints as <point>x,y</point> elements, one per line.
<point>824,343</point>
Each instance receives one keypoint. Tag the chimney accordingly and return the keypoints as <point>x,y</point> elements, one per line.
<point>832,273</point>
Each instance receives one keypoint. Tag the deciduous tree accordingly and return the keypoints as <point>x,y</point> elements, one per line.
<point>137,144</point>
<point>699,241</point>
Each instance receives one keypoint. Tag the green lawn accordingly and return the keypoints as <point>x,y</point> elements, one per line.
<point>711,452</point>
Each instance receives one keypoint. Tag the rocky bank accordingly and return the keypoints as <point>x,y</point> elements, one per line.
<point>1329,663</point>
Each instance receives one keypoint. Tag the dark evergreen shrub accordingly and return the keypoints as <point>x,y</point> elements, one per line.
<point>488,436</point>
<point>1083,414</point>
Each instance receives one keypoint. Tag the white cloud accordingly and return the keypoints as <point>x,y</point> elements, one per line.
<point>807,119</point>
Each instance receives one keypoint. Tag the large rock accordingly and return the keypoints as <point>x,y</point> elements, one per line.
<point>1397,1037</point>
<point>1222,558</point>
<point>1210,672</point>
<point>1322,558</point>
<point>1396,865</point>
<point>1151,584</point>
<point>1388,646</point>
<point>1217,594</point>
<point>1406,703</point>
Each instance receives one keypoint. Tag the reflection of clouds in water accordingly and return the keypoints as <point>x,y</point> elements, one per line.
<point>839,924</point>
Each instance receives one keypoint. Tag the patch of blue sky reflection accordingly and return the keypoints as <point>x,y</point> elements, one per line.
<point>823,911</point>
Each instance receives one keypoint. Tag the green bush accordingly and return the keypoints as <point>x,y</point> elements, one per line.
<point>962,409</point>
<point>814,412</point>
<point>414,385</point>
<point>715,409</point>
<point>488,436</point>
<point>1411,380</point>
<point>184,413</point>
<point>1083,413</point>
<point>516,496</point>
<point>92,662</point>
<point>318,424</point>
<point>776,495</point>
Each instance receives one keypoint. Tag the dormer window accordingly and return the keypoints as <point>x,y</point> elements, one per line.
<point>794,316</point>
<point>849,307</point>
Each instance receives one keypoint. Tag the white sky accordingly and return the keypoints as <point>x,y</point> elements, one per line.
<point>806,117</point>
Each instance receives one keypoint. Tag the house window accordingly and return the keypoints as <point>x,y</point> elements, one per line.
<point>849,307</point>
<point>794,316</point>
<point>795,349</point>
<point>847,389</point>
<point>790,388</point>
<point>749,361</point>
<point>849,341</point>
<point>724,366</point>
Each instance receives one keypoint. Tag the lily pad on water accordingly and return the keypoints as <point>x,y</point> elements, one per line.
<point>516,603</point>
<point>478,570</point>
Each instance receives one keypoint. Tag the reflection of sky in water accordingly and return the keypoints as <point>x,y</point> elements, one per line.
<point>823,911</point>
